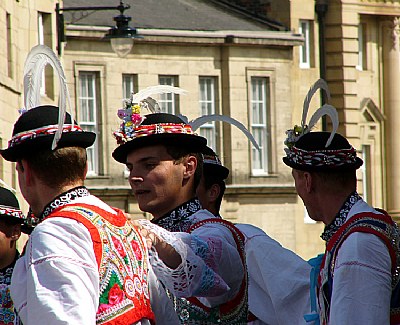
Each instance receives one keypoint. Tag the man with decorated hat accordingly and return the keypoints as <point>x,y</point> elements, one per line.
<point>358,281</point>
<point>279,289</point>
<point>11,221</point>
<point>163,156</point>
<point>84,262</point>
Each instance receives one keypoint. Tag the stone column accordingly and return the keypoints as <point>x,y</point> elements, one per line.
<point>391,102</point>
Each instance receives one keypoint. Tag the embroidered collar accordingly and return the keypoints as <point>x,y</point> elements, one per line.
<point>64,199</point>
<point>340,217</point>
<point>179,218</point>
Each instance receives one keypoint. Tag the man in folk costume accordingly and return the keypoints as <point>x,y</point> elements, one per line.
<point>84,263</point>
<point>279,285</point>
<point>12,222</point>
<point>164,159</point>
<point>359,276</point>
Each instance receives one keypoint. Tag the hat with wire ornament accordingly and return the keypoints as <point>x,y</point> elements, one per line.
<point>212,164</point>
<point>42,127</point>
<point>10,210</point>
<point>137,130</point>
<point>9,206</point>
<point>35,131</point>
<point>319,151</point>
<point>310,153</point>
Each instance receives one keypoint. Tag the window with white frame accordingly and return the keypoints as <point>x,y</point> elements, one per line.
<point>361,64</point>
<point>305,49</point>
<point>129,86</point>
<point>45,38</point>
<point>41,42</point>
<point>259,115</point>
<point>207,102</point>
<point>88,117</point>
<point>365,170</point>
<point>129,82</point>
<point>168,102</point>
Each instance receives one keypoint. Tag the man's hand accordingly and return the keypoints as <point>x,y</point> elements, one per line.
<point>165,251</point>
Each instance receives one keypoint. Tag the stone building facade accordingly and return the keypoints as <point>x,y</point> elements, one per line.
<point>22,25</point>
<point>254,66</point>
<point>229,64</point>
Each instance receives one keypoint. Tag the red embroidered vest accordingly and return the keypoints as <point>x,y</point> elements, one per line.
<point>121,257</point>
<point>380,225</point>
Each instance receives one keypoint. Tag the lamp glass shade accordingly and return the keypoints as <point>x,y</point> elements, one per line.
<point>122,46</point>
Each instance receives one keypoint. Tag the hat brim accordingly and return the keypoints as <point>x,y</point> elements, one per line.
<point>217,170</point>
<point>358,163</point>
<point>192,142</point>
<point>30,146</point>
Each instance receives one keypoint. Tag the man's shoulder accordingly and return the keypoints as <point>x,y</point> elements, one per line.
<point>363,207</point>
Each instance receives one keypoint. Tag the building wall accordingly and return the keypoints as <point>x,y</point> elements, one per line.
<point>362,71</point>
<point>18,34</point>
<point>268,201</point>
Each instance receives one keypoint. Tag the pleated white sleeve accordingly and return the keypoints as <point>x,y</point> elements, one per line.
<point>56,281</point>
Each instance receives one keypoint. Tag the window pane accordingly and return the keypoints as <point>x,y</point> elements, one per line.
<point>88,114</point>
<point>167,101</point>
<point>127,85</point>
<point>259,115</point>
<point>304,28</point>
<point>207,106</point>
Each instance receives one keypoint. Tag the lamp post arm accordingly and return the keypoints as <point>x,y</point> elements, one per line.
<point>121,31</point>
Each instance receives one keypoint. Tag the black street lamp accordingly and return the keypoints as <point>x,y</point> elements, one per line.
<point>121,35</point>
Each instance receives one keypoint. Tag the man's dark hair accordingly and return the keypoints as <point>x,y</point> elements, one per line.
<point>338,180</point>
<point>211,178</point>
<point>178,153</point>
<point>59,167</point>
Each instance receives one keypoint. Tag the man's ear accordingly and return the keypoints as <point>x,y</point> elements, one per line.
<point>16,232</point>
<point>309,181</point>
<point>26,171</point>
<point>190,166</point>
<point>213,192</point>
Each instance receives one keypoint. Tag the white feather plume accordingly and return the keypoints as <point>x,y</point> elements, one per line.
<point>37,59</point>
<point>319,84</point>
<point>145,95</point>
<point>196,123</point>
<point>330,111</point>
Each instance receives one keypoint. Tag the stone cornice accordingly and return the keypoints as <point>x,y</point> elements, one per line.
<point>229,37</point>
<point>253,190</point>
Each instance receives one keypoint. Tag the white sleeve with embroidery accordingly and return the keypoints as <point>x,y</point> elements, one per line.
<point>362,282</point>
<point>211,267</point>
<point>57,280</point>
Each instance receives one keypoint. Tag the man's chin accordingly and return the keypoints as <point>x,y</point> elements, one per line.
<point>147,207</point>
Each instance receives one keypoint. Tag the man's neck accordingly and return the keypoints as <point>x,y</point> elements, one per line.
<point>47,194</point>
<point>331,206</point>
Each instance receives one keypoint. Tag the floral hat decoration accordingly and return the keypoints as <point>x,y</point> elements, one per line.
<point>319,151</point>
<point>44,127</point>
<point>137,130</point>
